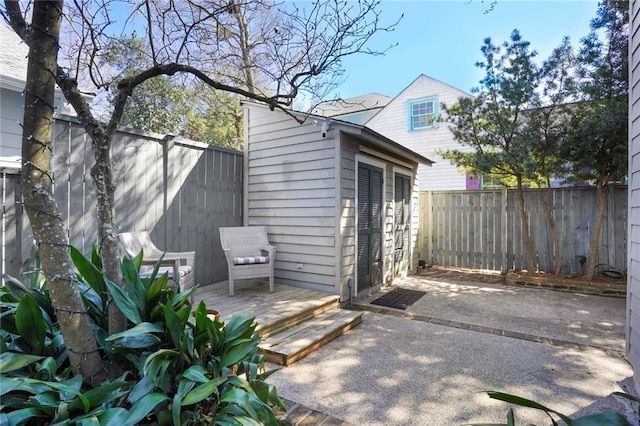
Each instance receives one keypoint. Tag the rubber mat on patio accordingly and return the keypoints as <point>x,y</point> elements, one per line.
<point>399,298</point>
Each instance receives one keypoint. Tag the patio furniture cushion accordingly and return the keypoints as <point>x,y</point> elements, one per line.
<point>184,270</point>
<point>250,260</point>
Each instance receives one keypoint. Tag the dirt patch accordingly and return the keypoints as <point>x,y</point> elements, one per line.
<point>602,285</point>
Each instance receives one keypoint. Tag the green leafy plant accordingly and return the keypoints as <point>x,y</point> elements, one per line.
<point>211,371</point>
<point>181,367</point>
<point>598,419</point>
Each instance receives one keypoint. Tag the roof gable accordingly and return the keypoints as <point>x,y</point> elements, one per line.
<point>416,90</point>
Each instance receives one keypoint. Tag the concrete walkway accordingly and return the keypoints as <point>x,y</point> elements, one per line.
<point>431,364</point>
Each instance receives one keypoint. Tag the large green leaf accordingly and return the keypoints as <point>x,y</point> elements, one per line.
<point>140,341</point>
<point>195,373</point>
<point>126,305</point>
<point>143,327</point>
<point>89,272</point>
<point>103,394</point>
<point>20,417</point>
<point>203,391</point>
<point>175,327</point>
<point>133,285</point>
<point>156,363</point>
<point>143,407</point>
<point>10,361</point>
<point>144,387</point>
<point>523,402</point>
<point>240,325</point>
<point>114,417</point>
<point>176,406</point>
<point>238,353</point>
<point>30,324</point>
<point>7,384</point>
<point>48,366</point>
<point>600,419</point>
<point>18,290</point>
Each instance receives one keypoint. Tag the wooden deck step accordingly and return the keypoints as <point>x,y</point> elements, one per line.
<point>281,320</point>
<point>288,346</point>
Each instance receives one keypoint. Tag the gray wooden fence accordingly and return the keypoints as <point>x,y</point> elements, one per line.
<point>179,190</point>
<point>483,230</point>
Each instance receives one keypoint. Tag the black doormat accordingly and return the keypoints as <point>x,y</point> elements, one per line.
<point>399,298</point>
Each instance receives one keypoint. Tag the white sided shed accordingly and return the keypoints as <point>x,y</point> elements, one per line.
<point>339,200</point>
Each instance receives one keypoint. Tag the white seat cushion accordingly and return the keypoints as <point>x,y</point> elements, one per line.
<point>250,260</point>
<point>184,270</point>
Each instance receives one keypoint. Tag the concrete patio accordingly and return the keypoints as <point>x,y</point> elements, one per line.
<point>431,364</point>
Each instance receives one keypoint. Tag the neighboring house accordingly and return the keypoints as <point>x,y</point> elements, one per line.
<point>13,73</point>
<point>356,110</point>
<point>340,201</point>
<point>414,118</point>
<point>633,262</point>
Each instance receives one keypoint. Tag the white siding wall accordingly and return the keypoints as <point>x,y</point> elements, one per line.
<point>290,187</point>
<point>633,287</point>
<point>11,115</point>
<point>11,112</point>
<point>393,122</point>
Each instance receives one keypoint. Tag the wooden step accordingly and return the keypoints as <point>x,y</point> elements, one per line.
<point>288,346</point>
<point>296,313</point>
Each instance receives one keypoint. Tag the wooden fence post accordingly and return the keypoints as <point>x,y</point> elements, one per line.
<point>504,229</point>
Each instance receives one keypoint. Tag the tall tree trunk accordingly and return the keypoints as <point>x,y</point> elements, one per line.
<point>245,47</point>
<point>526,236</point>
<point>102,175</point>
<point>47,224</point>
<point>601,197</point>
<point>547,201</point>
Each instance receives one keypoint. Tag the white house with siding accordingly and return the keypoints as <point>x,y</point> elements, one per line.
<point>633,262</point>
<point>339,200</point>
<point>13,75</point>
<point>414,118</point>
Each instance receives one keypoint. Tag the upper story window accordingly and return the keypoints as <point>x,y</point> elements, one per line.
<point>423,113</point>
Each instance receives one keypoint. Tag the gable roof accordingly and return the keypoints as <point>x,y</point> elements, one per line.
<point>13,59</point>
<point>414,83</point>
<point>370,136</point>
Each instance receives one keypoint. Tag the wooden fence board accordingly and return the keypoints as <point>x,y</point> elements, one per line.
<point>180,191</point>
<point>483,230</point>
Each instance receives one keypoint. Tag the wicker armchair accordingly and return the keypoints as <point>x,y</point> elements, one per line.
<point>176,264</point>
<point>248,253</point>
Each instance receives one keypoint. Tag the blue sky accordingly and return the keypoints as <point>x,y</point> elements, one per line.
<point>442,39</point>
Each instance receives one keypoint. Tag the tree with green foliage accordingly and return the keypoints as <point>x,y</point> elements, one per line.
<point>492,123</point>
<point>596,150</point>
<point>181,38</point>
<point>547,126</point>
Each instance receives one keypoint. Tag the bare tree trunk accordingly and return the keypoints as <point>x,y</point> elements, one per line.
<point>528,243</point>
<point>601,197</point>
<point>245,45</point>
<point>47,224</point>
<point>555,239</point>
<point>105,200</point>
